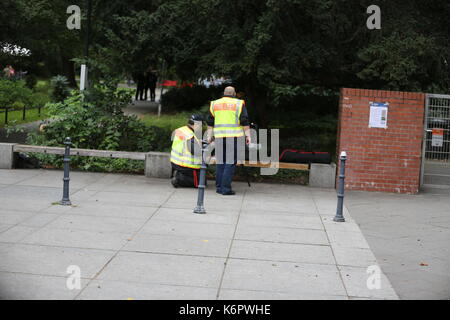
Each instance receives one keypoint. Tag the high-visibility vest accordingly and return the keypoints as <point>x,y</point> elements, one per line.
<point>226,112</point>
<point>180,154</point>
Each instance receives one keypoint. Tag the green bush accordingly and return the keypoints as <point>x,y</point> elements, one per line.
<point>30,81</point>
<point>101,125</point>
<point>189,98</point>
<point>60,88</point>
<point>14,92</point>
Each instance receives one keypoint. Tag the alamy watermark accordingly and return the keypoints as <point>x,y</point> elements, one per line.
<point>374,20</point>
<point>374,279</point>
<point>73,281</point>
<point>74,20</point>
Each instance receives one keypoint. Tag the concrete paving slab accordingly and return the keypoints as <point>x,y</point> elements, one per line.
<point>282,252</point>
<point>125,290</point>
<point>270,219</point>
<point>353,277</point>
<point>104,210</point>
<point>178,228</point>
<point>130,199</point>
<point>104,182</point>
<point>71,238</point>
<point>356,257</point>
<point>14,217</point>
<point>287,235</point>
<point>11,177</point>
<point>18,286</point>
<point>165,269</point>
<point>200,246</point>
<point>347,239</point>
<point>39,220</point>
<point>54,179</point>
<point>4,227</point>
<point>302,279</point>
<point>52,261</point>
<point>228,294</point>
<point>186,215</point>
<point>281,206</point>
<point>16,233</point>
<point>94,223</point>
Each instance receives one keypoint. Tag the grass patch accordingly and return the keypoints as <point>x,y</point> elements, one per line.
<point>16,116</point>
<point>167,121</point>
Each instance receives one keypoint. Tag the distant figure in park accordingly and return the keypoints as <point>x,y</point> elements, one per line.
<point>139,78</point>
<point>9,72</point>
<point>150,83</point>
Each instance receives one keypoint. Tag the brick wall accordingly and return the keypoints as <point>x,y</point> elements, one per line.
<point>379,159</point>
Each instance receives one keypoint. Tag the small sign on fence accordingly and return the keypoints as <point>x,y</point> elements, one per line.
<point>437,137</point>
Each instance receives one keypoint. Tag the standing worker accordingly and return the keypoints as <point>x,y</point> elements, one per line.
<point>186,153</point>
<point>227,125</point>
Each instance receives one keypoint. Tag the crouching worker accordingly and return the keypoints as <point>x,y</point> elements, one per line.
<point>186,154</point>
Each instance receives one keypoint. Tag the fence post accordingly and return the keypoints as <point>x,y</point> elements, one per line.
<point>23,114</point>
<point>200,208</point>
<point>39,110</point>
<point>65,199</point>
<point>6,115</point>
<point>340,205</point>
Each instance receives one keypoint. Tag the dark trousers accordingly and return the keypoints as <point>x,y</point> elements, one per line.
<point>139,93</point>
<point>226,157</point>
<point>152,88</point>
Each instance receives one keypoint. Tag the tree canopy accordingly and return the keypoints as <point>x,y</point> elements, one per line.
<point>272,48</point>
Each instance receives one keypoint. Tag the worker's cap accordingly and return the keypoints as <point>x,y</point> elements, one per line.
<point>195,117</point>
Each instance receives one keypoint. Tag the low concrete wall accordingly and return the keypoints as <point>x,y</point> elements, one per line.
<point>157,165</point>
<point>6,156</point>
<point>322,175</point>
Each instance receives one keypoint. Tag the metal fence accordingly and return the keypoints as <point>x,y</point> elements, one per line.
<point>24,110</point>
<point>437,142</point>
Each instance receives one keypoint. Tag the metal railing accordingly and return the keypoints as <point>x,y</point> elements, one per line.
<point>6,110</point>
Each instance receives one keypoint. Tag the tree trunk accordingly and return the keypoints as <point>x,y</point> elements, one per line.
<point>256,101</point>
<point>68,70</point>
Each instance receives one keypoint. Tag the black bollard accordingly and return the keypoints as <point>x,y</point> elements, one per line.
<point>340,206</point>
<point>65,199</point>
<point>200,208</point>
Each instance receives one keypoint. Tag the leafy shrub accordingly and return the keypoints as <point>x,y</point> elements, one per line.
<point>60,88</point>
<point>99,124</point>
<point>30,81</point>
<point>12,92</point>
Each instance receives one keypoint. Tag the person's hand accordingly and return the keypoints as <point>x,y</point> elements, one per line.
<point>209,139</point>
<point>248,139</point>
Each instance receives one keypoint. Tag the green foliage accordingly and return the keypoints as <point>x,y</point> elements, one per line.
<point>99,124</point>
<point>30,81</point>
<point>60,88</point>
<point>16,94</point>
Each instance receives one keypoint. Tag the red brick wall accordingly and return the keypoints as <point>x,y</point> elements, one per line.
<point>379,159</point>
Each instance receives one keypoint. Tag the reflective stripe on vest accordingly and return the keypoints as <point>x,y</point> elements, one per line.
<point>180,154</point>
<point>226,112</point>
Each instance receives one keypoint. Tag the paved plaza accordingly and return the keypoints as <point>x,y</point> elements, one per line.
<point>137,238</point>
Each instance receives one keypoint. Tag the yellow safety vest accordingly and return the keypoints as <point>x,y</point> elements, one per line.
<point>226,112</point>
<point>180,154</point>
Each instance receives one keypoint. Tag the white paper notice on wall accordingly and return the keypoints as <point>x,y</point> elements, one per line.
<point>378,114</point>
